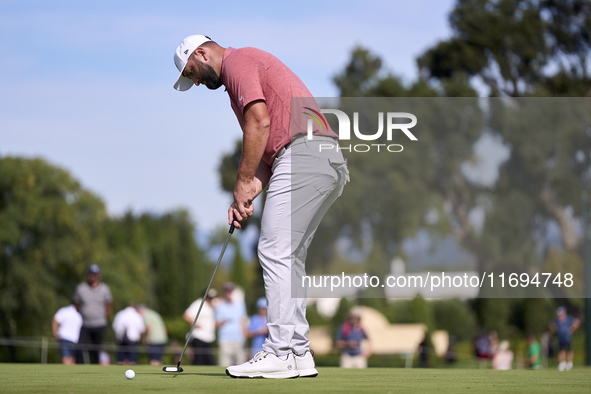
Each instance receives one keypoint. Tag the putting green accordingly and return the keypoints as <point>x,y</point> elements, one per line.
<point>53,378</point>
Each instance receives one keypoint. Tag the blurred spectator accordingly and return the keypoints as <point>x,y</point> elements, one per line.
<point>155,336</point>
<point>564,325</point>
<point>231,318</point>
<point>257,328</point>
<point>503,357</point>
<point>450,354</point>
<point>204,331</point>
<point>534,353</point>
<point>424,351</point>
<point>129,327</point>
<point>349,339</point>
<point>94,302</point>
<point>66,326</point>
<point>482,347</point>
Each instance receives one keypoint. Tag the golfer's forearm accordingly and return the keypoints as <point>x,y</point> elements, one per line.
<point>254,143</point>
<point>256,133</point>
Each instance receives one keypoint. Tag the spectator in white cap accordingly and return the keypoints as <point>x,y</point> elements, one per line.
<point>257,327</point>
<point>94,302</point>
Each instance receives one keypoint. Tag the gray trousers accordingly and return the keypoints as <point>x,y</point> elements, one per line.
<point>304,184</point>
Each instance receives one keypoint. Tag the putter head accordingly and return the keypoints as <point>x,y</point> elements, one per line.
<point>172,369</point>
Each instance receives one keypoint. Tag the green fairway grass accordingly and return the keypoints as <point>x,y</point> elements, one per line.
<point>54,378</point>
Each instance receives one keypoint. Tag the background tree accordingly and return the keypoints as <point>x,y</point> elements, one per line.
<point>176,269</point>
<point>524,48</point>
<point>516,47</point>
<point>53,229</point>
<point>49,235</point>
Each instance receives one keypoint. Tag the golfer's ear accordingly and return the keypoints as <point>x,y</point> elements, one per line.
<point>201,54</point>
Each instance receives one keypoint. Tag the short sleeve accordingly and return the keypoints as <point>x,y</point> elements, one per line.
<point>245,77</point>
<point>59,315</point>
<point>192,309</point>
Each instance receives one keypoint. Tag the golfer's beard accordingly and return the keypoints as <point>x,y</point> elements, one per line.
<point>210,79</point>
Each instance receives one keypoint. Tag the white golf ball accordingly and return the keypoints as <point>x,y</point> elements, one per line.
<point>129,374</point>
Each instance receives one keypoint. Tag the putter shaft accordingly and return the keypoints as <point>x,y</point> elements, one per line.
<point>205,295</point>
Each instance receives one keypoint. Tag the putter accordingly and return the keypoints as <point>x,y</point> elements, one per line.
<point>178,368</point>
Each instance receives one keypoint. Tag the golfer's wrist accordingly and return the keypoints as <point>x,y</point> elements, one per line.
<point>245,178</point>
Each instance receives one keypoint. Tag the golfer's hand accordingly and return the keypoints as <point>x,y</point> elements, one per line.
<point>244,194</point>
<point>233,218</point>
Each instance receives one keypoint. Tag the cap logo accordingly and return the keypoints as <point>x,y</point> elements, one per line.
<point>186,51</point>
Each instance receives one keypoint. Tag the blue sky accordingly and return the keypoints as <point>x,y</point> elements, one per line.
<point>88,85</point>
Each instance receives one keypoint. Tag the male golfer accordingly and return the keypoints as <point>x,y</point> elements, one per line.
<point>304,180</point>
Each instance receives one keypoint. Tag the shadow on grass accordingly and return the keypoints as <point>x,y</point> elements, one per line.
<point>181,374</point>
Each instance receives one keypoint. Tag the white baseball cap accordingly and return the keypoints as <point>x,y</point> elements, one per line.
<point>181,56</point>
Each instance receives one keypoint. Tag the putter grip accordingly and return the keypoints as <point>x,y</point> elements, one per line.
<point>232,228</point>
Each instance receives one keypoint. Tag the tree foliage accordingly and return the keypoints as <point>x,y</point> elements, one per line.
<point>516,47</point>
<point>524,48</point>
<point>53,229</point>
<point>49,235</point>
<point>175,268</point>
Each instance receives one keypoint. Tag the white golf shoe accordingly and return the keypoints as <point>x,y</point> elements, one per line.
<point>265,365</point>
<point>306,366</point>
